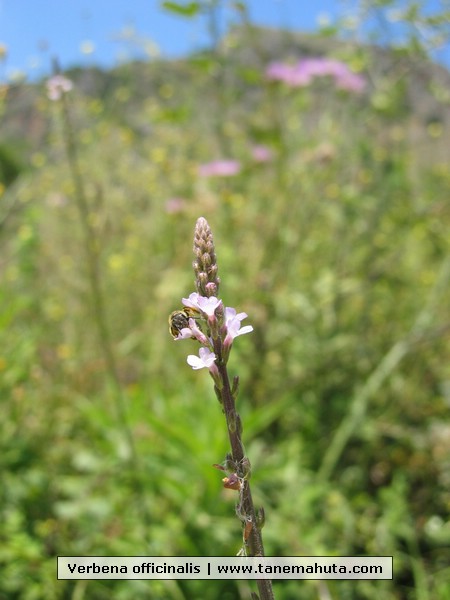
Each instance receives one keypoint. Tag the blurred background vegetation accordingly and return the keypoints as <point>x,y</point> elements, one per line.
<point>332,234</point>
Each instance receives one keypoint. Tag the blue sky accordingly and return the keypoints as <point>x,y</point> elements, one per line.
<point>84,32</point>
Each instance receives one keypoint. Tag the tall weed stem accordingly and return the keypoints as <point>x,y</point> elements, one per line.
<point>92,256</point>
<point>205,319</point>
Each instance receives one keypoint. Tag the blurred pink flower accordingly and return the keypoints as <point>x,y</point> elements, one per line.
<point>351,82</point>
<point>57,86</point>
<point>291,75</point>
<point>175,205</point>
<point>304,71</point>
<point>219,168</point>
<point>262,153</point>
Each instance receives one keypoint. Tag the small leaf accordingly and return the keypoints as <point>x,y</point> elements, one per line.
<point>184,10</point>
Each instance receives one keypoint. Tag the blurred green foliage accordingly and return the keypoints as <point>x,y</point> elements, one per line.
<point>336,246</point>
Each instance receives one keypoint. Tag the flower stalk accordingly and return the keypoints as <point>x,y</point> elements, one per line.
<point>205,319</point>
<point>57,89</point>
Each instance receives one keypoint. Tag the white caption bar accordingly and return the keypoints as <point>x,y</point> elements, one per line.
<point>224,567</point>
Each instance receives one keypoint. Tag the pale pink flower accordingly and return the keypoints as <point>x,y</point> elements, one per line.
<point>352,83</point>
<point>306,70</point>
<point>57,86</point>
<point>205,305</point>
<point>291,75</point>
<point>175,205</point>
<point>219,168</point>
<point>205,359</point>
<point>184,334</point>
<point>262,153</point>
<point>233,325</point>
<point>198,333</point>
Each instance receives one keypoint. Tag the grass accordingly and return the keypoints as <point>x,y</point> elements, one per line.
<point>337,248</point>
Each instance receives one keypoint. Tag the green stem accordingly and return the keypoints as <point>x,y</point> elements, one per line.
<point>91,249</point>
<point>93,267</point>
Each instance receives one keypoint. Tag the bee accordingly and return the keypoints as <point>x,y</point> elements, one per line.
<point>179,319</point>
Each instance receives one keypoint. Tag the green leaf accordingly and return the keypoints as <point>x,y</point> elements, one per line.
<point>184,10</point>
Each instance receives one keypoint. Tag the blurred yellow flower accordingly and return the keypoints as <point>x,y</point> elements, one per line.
<point>64,351</point>
<point>25,233</point>
<point>116,262</point>
<point>158,155</point>
<point>435,130</point>
<point>38,159</point>
<point>54,310</point>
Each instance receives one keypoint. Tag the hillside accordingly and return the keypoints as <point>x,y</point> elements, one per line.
<point>411,90</point>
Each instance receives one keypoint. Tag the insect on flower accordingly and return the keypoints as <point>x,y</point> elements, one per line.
<point>179,319</point>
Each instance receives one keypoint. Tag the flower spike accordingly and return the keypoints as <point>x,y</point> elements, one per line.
<point>205,319</point>
<point>205,263</point>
